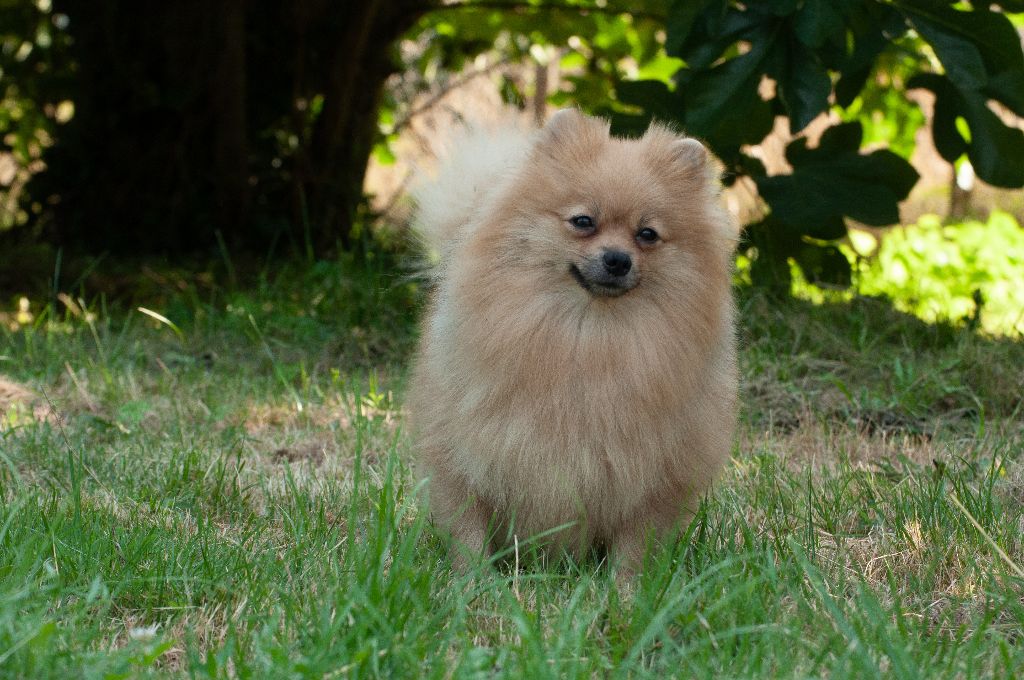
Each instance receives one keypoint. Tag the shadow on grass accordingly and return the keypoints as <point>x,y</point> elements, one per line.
<point>866,362</point>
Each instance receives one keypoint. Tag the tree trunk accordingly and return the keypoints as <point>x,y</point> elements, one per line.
<point>228,95</point>
<point>961,189</point>
<point>155,159</point>
<point>359,64</point>
<point>194,118</point>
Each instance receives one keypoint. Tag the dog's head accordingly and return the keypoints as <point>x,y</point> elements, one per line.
<point>607,216</point>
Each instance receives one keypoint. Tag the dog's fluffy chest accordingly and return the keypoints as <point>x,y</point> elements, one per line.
<point>564,417</point>
<point>561,447</point>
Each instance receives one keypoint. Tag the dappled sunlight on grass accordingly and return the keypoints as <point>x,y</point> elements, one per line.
<point>968,273</point>
<point>945,272</point>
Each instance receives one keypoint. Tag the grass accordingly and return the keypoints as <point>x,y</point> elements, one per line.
<point>959,270</point>
<point>965,272</point>
<point>226,493</point>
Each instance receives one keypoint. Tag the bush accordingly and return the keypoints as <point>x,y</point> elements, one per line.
<point>744,63</point>
<point>972,270</point>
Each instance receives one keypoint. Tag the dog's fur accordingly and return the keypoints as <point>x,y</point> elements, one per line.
<point>539,400</point>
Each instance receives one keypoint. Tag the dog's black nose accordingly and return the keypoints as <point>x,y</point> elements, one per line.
<point>616,262</point>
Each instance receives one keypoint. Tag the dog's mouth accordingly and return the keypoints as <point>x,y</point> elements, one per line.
<point>602,288</point>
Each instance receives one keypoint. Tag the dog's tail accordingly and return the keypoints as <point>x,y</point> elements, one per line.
<point>479,161</point>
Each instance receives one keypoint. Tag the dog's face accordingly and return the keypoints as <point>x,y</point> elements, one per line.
<point>606,251</point>
<point>605,217</point>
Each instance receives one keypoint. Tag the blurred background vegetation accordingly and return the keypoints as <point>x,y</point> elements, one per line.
<point>247,133</point>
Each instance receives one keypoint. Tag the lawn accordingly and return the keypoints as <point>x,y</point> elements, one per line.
<point>219,486</point>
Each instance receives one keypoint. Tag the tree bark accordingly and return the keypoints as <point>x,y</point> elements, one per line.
<point>344,133</point>
<point>155,159</point>
<point>194,118</point>
<point>228,95</point>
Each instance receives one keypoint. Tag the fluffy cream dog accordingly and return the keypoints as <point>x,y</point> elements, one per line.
<point>578,362</point>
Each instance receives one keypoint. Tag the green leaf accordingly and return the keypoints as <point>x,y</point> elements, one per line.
<point>511,93</point>
<point>824,265</point>
<point>995,150</point>
<point>836,140</point>
<point>660,67</point>
<point>774,242</point>
<point>948,141</point>
<point>781,8</point>
<point>972,45</point>
<point>714,30</point>
<point>804,87</point>
<point>628,124</point>
<point>723,104</point>
<point>850,85</point>
<point>1008,88</point>
<point>835,181</point>
<point>817,21</point>
<point>960,57</point>
<point>681,16</point>
<point>872,28</point>
<point>383,153</point>
<point>748,165</point>
<point>653,96</point>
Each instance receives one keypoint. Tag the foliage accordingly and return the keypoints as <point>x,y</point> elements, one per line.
<point>819,55</point>
<point>972,270</point>
<point>856,60</point>
<point>596,47</point>
<point>33,69</point>
<point>966,274</point>
<point>280,172</point>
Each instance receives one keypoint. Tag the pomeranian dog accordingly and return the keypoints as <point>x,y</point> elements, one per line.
<point>577,371</point>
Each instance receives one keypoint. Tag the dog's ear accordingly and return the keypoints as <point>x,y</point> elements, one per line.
<point>689,153</point>
<point>570,127</point>
<point>681,156</point>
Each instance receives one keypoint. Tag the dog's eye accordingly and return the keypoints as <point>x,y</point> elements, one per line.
<point>582,222</point>
<point>647,235</point>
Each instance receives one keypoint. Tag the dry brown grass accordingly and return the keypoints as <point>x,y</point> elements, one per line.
<point>19,404</point>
